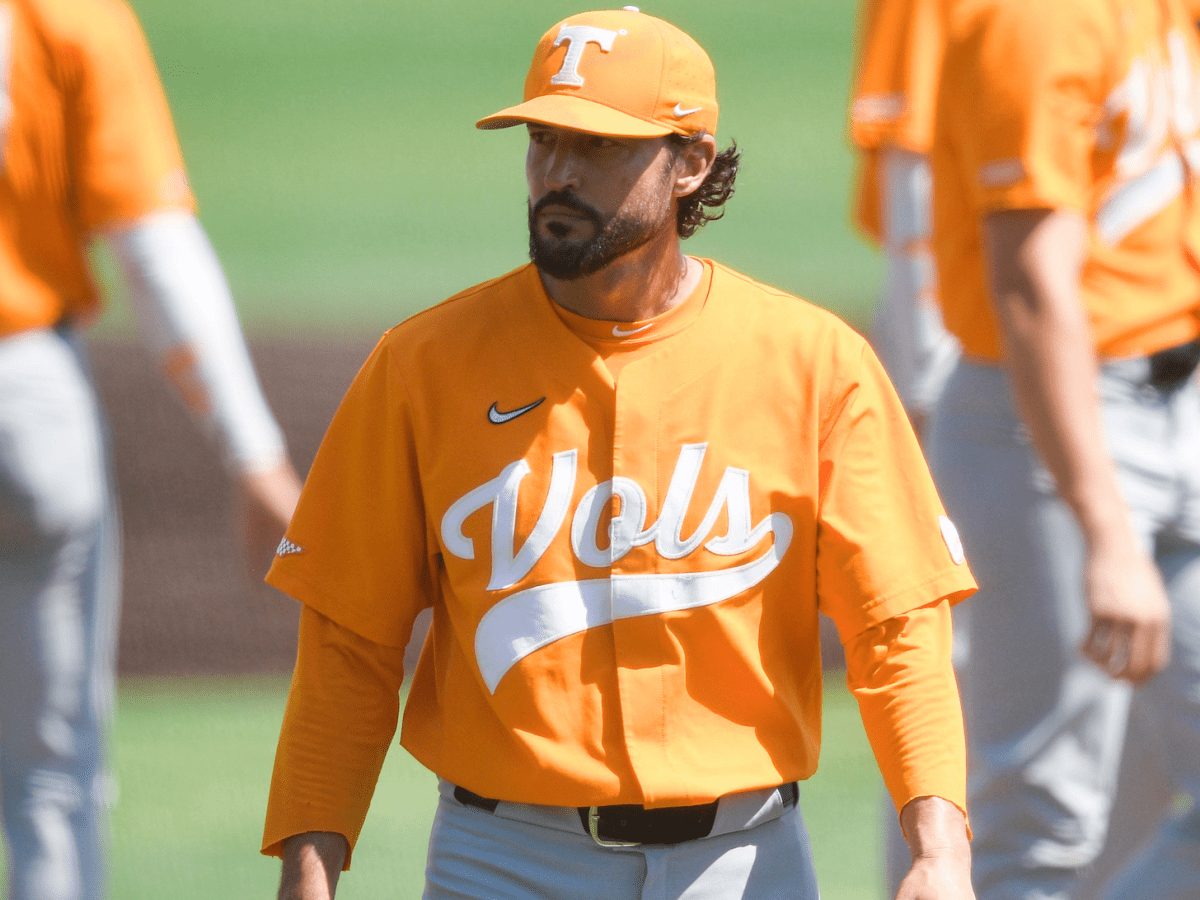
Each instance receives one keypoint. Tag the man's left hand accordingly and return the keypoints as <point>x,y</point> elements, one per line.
<point>937,835</point>
<point>266,500</point>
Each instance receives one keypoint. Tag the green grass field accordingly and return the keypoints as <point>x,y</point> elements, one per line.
<point>333,150</point>
<point>193,759</point>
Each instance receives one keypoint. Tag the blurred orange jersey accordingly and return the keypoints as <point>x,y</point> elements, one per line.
<point>625,574</point>
<point>895,89</point>
<point>1087,105</point>
<point>86,141</point>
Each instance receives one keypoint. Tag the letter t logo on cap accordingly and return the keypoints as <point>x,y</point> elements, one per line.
<point>578,37</point>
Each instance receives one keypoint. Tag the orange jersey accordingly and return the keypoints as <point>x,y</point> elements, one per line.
<point>87,141</point>
<point>1086,105</point>
<point>625,574</point>
<point>895,89</point>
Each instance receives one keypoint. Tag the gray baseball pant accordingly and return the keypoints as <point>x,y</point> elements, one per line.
<point>1045,727</point>
<point>757,851</point>
<point>59,584</point>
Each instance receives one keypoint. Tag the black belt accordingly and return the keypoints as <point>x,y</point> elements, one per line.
<point>1170,368</point>
<point>630,825</point>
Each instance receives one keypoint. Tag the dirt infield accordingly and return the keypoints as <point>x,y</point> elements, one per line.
<point>191,604</point>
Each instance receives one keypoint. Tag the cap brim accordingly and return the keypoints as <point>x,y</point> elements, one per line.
<point>576,113</point>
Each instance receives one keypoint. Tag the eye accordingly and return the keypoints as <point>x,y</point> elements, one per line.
<point>539,135</point>
<point>599,142</point>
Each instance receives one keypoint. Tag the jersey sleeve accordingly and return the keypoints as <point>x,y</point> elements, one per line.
<point>900,673</point>
<point>125,155</point>
<point>340,719</point>
<point>1021,97</point>
<point>356,548</point>
<point>884,543</point>
<point>895,85</point>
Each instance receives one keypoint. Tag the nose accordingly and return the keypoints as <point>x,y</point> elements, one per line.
<point>558,165</point>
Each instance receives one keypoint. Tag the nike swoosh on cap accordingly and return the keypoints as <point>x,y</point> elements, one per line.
<point>680,112</point>
<point>499,418</point>
<point>618,331</point>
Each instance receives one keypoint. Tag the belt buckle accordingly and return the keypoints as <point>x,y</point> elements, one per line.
<point>594,829</point>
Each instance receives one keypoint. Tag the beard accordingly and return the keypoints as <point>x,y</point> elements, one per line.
<point>621,233</point>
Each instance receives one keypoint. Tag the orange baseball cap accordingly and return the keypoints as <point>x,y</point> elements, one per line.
<point>620,73</point>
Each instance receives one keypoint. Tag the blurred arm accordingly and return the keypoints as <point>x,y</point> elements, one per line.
<point>908,333</point>
<point>187,316</point>
<point>1035,258</point>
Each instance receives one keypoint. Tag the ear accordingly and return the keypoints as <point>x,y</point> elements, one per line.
<point>693,164</point>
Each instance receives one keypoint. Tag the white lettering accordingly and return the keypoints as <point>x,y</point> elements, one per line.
<point>532,618</point>
<point>625,531</point>
<point>577,38</point>
<point>1159,99</point>
<point>509,567</point>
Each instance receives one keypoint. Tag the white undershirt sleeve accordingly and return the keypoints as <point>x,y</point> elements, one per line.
<point>908,333</point>
<point>187,317</point>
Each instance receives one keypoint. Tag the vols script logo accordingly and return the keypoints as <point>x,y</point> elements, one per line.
<point>533,618</point>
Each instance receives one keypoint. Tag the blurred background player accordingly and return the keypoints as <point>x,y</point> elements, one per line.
<point>88,150</point>
<point>891,125</point>
<point>1065,443</point>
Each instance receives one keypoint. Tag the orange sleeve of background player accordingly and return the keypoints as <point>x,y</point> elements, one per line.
<point>125,155</point>
<point>895,87</point>
<point>1022,93</point>
<point>895,91</point>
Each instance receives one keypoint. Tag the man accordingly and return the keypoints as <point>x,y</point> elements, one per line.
<point>89,152</point>
<point>891,124</point>
<point>625,480</point>
<point>1066,441</point>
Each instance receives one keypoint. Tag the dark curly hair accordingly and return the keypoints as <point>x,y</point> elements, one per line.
<point>707,202</point>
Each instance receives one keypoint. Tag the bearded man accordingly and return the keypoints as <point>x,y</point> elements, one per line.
<point>625,480</point>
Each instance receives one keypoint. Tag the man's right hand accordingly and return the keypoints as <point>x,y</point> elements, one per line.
<point>1130,634</point>
<point>312,863</point>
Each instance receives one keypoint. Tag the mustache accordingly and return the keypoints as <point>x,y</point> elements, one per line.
<point>568,200</point>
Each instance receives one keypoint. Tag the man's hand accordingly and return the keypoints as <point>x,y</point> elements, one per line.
<point>937,836</point>
<point>312,863</point>
<point>1130,634</point>
<point>266,500</point>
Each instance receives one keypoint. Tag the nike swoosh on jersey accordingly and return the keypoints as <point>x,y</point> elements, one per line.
<point>680,112</point>
<point>499,418</point>
<point>618,331</point>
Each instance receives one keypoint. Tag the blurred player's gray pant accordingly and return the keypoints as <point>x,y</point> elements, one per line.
<point>59,581</point>
<point>523,851</point>
<point>1044,727</point>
